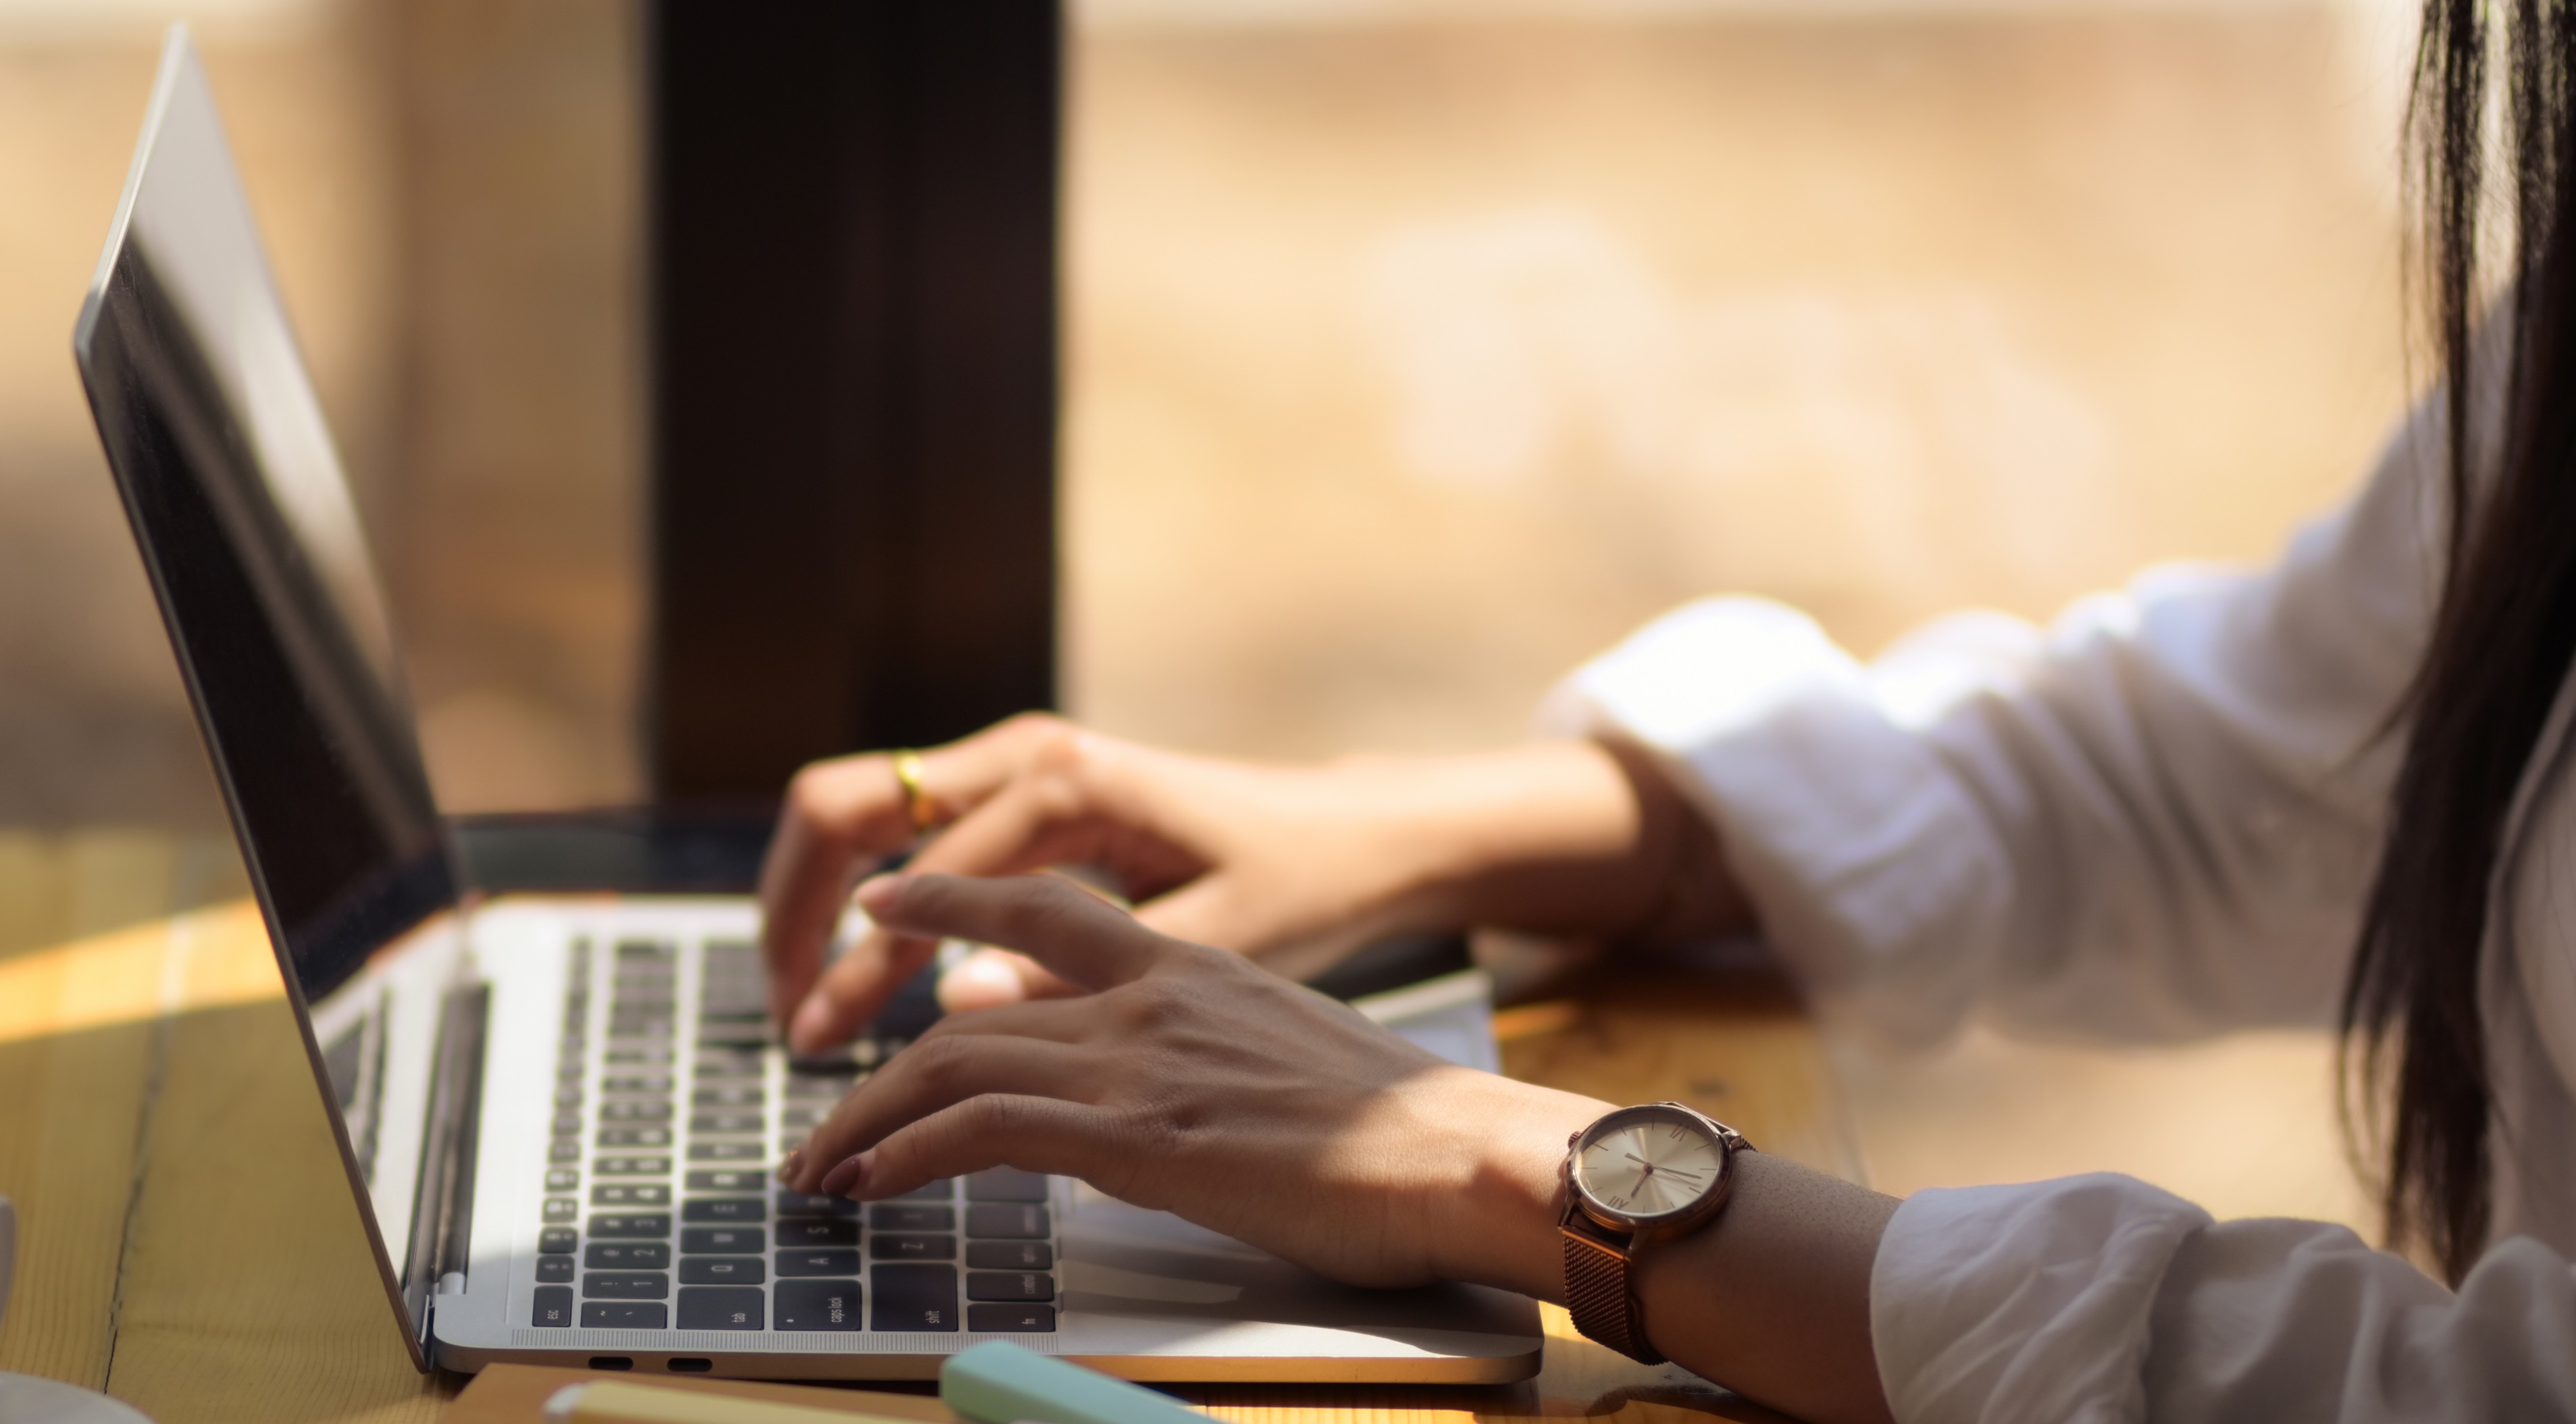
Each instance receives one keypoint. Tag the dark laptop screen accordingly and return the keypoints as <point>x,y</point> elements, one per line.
<point>255,553</point>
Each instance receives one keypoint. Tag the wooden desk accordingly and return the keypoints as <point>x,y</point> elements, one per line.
<point>190,1244</point>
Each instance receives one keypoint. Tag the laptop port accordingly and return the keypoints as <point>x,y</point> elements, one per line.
<point>611,1362</point>
<point>691,1367</point>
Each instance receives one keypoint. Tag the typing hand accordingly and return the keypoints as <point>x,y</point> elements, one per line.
<point>1188,1080</point>
<point>1295,865</point>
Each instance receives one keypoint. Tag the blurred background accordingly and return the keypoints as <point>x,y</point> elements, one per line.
<point>1415,350</point>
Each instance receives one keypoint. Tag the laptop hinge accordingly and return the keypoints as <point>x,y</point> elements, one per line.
<point>443,1210</point>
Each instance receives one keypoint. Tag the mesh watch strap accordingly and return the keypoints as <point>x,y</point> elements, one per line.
<point>1597,1295</point>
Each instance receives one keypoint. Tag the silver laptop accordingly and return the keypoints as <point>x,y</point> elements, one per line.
<point>560,1114</point>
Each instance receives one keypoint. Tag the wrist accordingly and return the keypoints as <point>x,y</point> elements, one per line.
<point>1496,1222</point>
<point>1551,838</point>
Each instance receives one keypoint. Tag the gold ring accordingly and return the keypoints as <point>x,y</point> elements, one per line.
<point>916,797</point>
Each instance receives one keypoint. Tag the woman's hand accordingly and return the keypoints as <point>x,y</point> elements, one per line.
<point>1188,1080</point>
<point>1296,865</point>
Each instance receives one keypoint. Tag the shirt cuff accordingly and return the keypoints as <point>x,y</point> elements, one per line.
<point>1864,858</point>
<point>2023,1303</point>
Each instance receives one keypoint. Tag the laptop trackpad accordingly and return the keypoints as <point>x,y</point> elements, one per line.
<point>1157,1283</point>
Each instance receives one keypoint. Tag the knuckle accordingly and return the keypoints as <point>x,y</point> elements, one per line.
<point>940,1061</point>
<point>1032,725</point>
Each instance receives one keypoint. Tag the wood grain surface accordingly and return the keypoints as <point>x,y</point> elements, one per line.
<point>192,1247</point>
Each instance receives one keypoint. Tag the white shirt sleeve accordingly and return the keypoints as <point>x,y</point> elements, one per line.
<point>2154,819</point>
<point>2101,1298</point>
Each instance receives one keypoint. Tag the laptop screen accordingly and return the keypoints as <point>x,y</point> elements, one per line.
<point>255,554</point>
<point>246,525</point>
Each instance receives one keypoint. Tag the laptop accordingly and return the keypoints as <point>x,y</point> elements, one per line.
<point>559,1113</point>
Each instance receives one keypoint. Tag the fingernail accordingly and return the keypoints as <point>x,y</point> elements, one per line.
<point>844,1179</point>
<point>878,891</point>
<point>795,1159</point>
<point>813,1024</point>
<point>980,982</point>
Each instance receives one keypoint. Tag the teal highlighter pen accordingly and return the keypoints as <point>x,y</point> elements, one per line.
<point>1000,1383</point>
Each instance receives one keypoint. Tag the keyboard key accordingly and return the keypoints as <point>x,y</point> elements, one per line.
<point>722,1240</point>
<point>571,1045</point>
<point>841,1261</point>
<point>563,1179</point>
<point>554,1307</point>
<point>724,1152</point>
<point>728,1179</point>
<point>1010,1256</point>
<point>554,1270</point>
<point>564,1149</point>
<point>720,1307</point>
<point>562,1209</point>
<point>569,1071</point>
<point>820,1085</point>
<point>727,1122</point>
<point>651,1055</point>
<point>729,1096</point>
<point>1009,1285</point>
<point>1006,1184</point>
<point>804,1118</point>
<point>636,1083</point>
<point>631,1194</point>
<point>626,1285</point>
<point>634,1110</point>
<point>648,1226</point>
<point>723,1209</point>
<point>815,1305</point>
<point>1014,1221</point>
<point>1012,1319</point>
<point>632,1166</point>
<point>731,1271</point>
<point>558,1240</point>
<point>733,1036</point>
<point>566,1125</point>
<point>942,1190</point>
<point>634,1137</point>
<point>632,953</point>
<point>724,1064</point>
<point>818,1231</point>
<point>912,1297</point>
<point>815,1204</point>
<point>648,1026</point>
<point>899,1216</point>
<point>624,1315</point>
<point>886,1246</point>
<point>627,1256</point>
<point>568,1098</point>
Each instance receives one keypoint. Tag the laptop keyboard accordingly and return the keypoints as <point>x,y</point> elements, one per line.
<point>661,1211</point>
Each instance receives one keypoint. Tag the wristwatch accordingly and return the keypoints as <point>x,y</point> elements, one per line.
<point>1635,1177</point>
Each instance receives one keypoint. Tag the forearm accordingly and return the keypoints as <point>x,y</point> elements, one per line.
<point>1577,838</point>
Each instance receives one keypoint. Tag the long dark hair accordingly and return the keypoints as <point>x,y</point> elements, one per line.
<point>2505,630</point>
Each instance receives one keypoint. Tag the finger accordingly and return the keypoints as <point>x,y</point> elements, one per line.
<point>838,813</point>
<point>936,1073</point>
<point>842,812</point>
<point>1045,817</point>
<point>854,989</point>
<point>1033,1134</point>
<point>1086,941</point>
<point>991,977</point>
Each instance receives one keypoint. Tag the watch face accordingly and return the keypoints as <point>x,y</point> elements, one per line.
<point>1648,1162</point>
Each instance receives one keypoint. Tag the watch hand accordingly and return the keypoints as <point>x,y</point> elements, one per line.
<point>1652,1169</point>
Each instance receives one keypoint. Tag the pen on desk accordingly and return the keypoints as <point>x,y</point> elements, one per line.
<point>617,1402</point>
